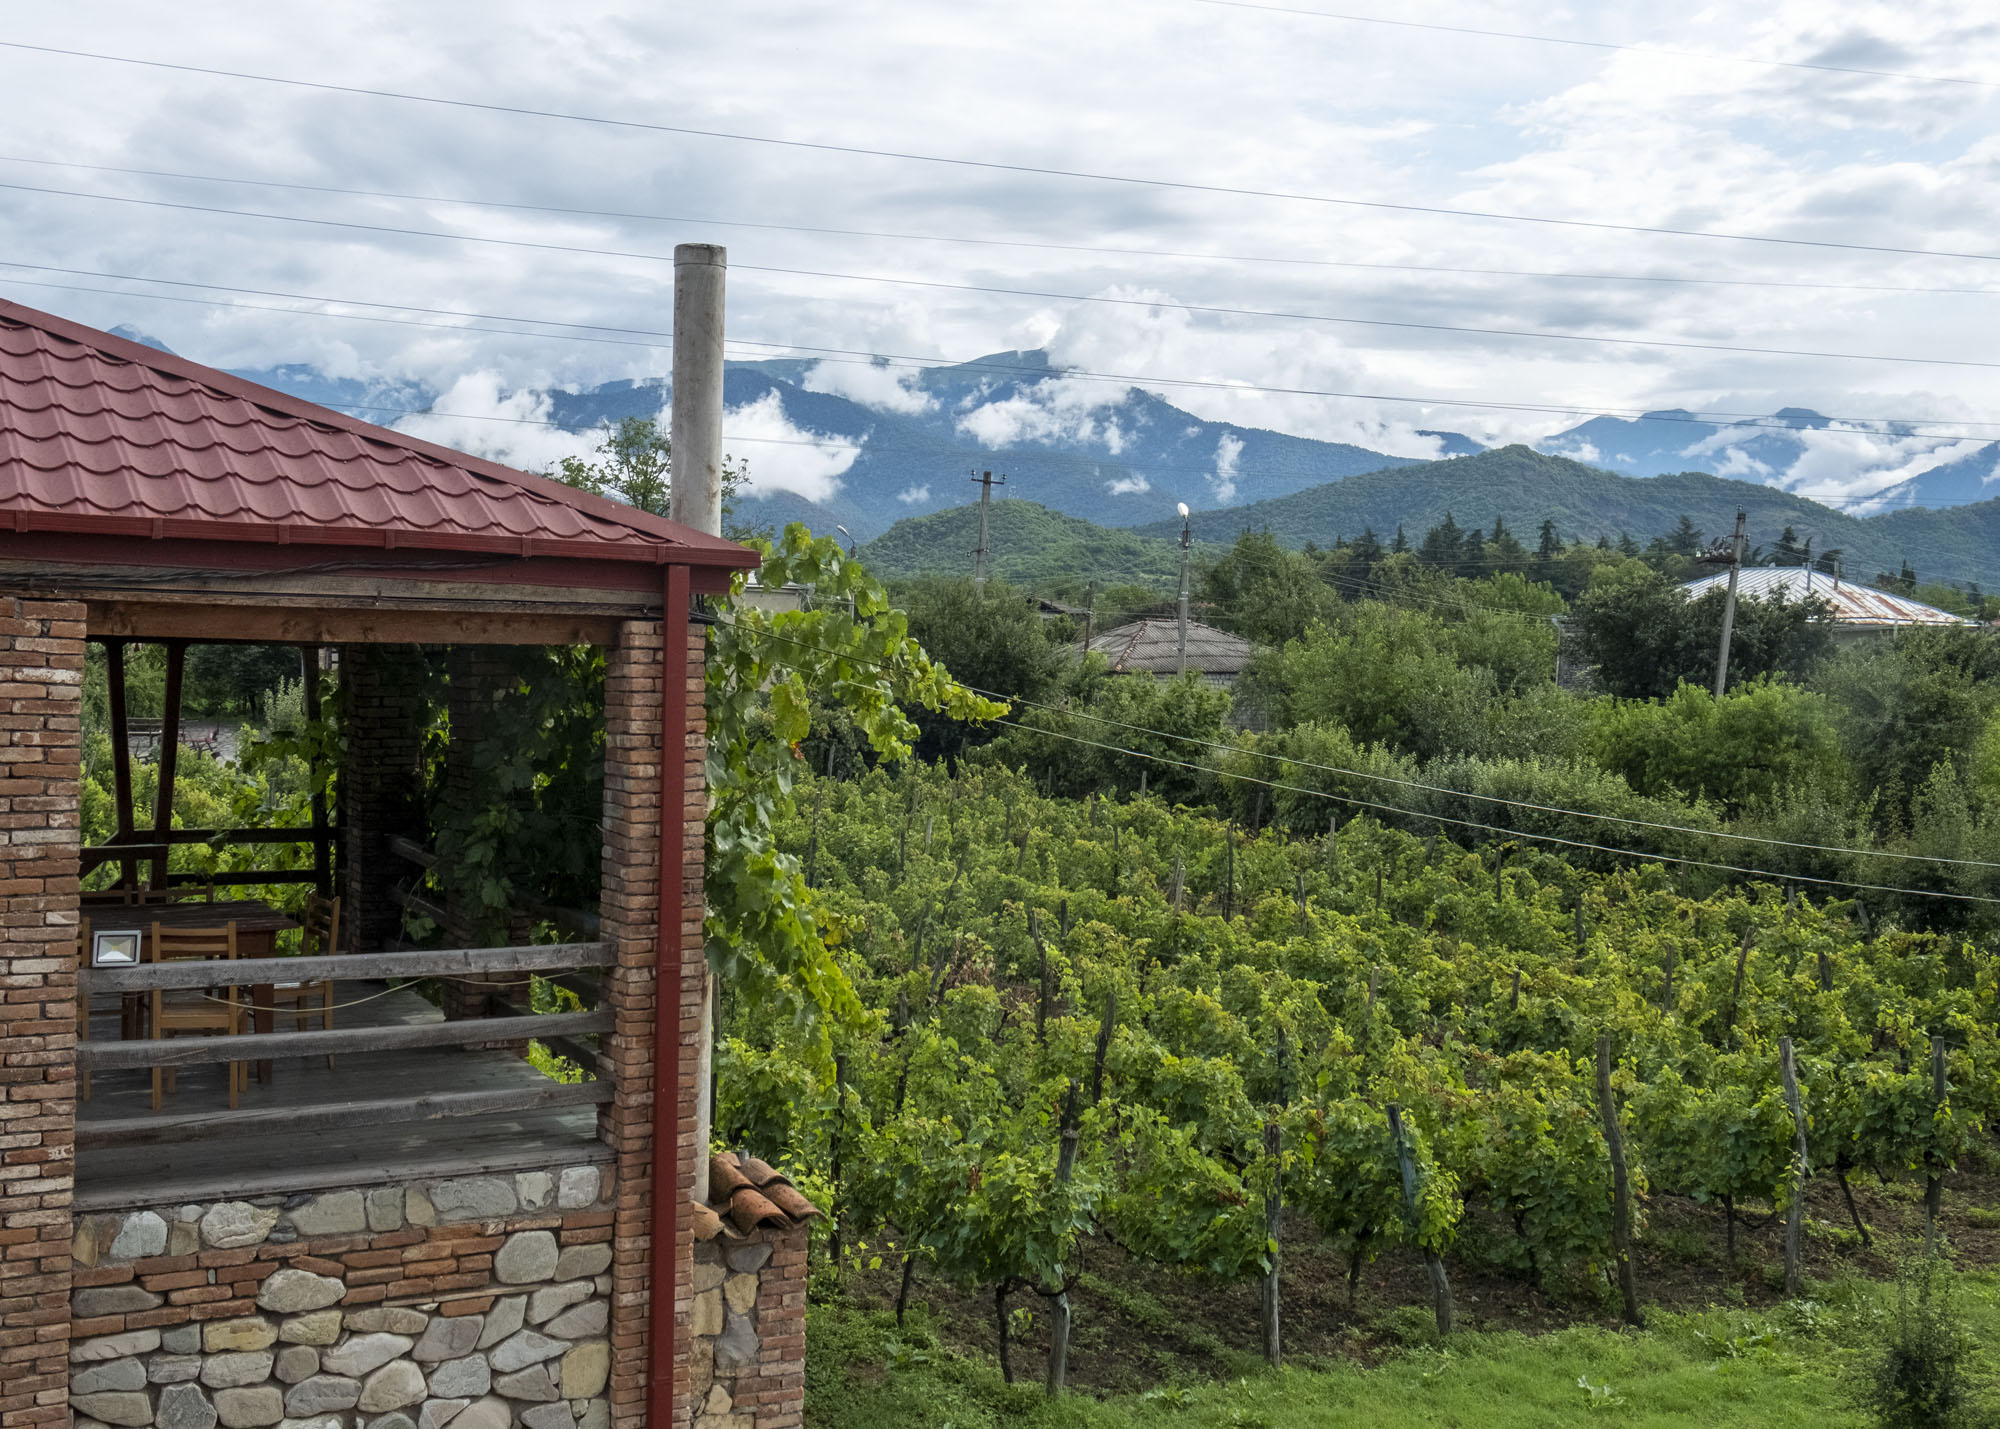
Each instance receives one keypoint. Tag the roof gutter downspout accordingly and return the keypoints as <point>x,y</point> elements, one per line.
<point>668,1193</point>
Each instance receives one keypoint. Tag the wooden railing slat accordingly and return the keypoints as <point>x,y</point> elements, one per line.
<point>194,1051</point>
<point>347,967</point>
<point>328,1116</point>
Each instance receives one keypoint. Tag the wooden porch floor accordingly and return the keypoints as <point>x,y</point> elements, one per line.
<point>265,1162</point>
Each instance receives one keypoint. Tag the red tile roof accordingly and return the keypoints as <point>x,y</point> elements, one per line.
<point>745,1193</point>
<point>103,436</point>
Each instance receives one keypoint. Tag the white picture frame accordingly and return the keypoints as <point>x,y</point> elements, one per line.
<point>115,947</point>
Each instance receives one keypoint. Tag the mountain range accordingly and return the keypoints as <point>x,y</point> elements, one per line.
<point>904,442</point>
<point>1518,485</point>
<point>884,444</point>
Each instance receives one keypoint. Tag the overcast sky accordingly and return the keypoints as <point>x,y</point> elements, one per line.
<point>1199,93</point>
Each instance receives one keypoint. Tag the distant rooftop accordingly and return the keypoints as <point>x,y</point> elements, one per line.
<point>1855,607</point>
<point>1153,647</point>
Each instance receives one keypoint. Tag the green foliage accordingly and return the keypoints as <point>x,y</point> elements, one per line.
<point>1735,751</point>
<point>635,465</point>
<point>1647,637</point>
<point>1031,546</point>
<point>992,640</point>
<point>1921,1380</point>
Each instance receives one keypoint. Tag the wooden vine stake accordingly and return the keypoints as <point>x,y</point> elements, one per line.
<point>1934,1183</point>
<point>1300,885</point>
<point>1273,1205</point>
<point>833,1230</point>
<point>1059,1310</point>
<point>1433,1265</point>
<point>1736,992</point>
<point>1795,1212</point>
<point>1621,1185</point>
<point>1180,881</point>
<point>1042,994</point>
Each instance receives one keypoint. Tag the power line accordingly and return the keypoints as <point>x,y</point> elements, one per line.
<point>987,165</point>
<point>1599,44</point>
<point>1211,309</point>
<point>1032,244</point>
<point>919,362</point>
<point>1422,814</point>
<point>580,249</point>
<point>1218,310</point>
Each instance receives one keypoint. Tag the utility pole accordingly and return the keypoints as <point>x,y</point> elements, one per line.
<point>986,481</point>
<point>696,434</point>
<point>1187,538</point>
<point>1736,551</point>
<point>696,428</point>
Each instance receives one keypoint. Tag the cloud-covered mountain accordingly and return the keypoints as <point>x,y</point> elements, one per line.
<point>865,445</point>
<point>1857,467</point>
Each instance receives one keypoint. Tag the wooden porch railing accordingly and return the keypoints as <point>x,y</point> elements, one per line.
<point>556,959</point>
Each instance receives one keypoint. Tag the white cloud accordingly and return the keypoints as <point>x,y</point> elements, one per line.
<point>1128,486</point>
<point>1056,409</point>
<point>476,415</point>
<point>784,457</point>
<point>1228,450</point>
<point>877,385</point>
<point>914,495</point>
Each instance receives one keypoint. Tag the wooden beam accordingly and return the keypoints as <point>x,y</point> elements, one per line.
<point>195,1051</point>
<point>170,755</point>
<point>260,622</point>
<point>330,1116</point>
<point>409,850</point>
<point>357,967</point>
<point>121,756</point>
<point>322,846</point>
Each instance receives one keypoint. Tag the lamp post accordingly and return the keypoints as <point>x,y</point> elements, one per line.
<point>1187,537</point>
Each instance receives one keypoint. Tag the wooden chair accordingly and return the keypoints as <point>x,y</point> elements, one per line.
<point>216,1010</point>
<point>319,937</point>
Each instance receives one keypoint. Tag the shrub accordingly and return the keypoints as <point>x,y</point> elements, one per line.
<point>1921,1380</point>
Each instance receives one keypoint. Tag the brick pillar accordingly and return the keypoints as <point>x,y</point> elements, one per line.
<point>628,908</point>
<point>381,786</point>
<point>41,679</point>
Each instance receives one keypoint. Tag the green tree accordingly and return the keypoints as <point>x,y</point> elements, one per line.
<point>635,465</point>
<point>1734,751</point>
<point>995,640</point>
<point>1263,591</point>
<point>1647,637</point>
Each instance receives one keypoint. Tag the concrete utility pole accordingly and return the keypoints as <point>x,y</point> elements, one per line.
<point>696,429</point>
<point>1187,539</point>
<point>1736,552</point>
<point>986,481</point>
<point>696,433</point>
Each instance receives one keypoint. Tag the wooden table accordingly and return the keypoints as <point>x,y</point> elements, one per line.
<point>257,927</point>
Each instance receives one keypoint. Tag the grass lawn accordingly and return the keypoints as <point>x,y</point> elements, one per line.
<point>1791,1366</point>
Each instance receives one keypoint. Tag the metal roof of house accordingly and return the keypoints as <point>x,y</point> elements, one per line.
<point>104,437</point>
<point>1153,647</point>
<point>1854,606</point>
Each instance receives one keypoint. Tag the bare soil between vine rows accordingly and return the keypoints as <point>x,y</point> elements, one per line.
<point>1137,1326</point>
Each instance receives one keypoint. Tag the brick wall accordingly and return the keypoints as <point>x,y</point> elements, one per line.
<point>41,678</point>
<point>629,903</point>
<point>380,786</point>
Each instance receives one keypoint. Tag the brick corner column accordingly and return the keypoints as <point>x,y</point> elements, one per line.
<point>628,907</point>
<point>41,683</point>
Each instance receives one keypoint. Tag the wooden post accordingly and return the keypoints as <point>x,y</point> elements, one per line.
<point>1621,1187</point>
<point>121,757</point>
<point>839,1111</point>
<point>1736,993</point>
<point>1934,1183</point>
<point>1514,996</point>
<point>1440,1283</point>
<point>170,753</point>
<point>1333,847</point>
<point>1180,881</point>
<point>1273,1208</point>
<point>315,711</point>
<point>1042,995</point>
<point>1104,1032</point>
<point>1801,1168</point>
<point>1059,1309</point>
<point>1228,872</point>
<point>1580,931</point>
<point>1300,884</point>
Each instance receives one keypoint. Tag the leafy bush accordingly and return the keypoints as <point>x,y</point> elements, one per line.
<point>1921,1380</point>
